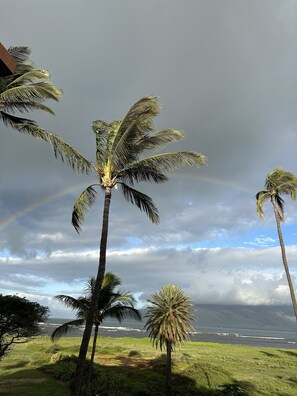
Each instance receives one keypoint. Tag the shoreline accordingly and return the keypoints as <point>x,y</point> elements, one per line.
<point>221,337</point>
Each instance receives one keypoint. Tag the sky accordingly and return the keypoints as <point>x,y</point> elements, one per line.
<point>225,73</point>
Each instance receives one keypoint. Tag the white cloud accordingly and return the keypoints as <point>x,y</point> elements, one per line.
<point>263,241</point>
<point>58,236</point>
<point>212,275</point>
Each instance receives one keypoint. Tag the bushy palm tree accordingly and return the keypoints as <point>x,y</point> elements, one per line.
<point>122,160</point>
<point>279,182</point>
<point>25,90</point>
<point>169,322</point>
<point>112,303</point>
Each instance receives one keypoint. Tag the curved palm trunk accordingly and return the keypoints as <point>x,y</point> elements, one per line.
<point>95,297</point>
<point>168,369</point>
<point>284,257</point>
<point>94,343</point>
<point>90,373</point>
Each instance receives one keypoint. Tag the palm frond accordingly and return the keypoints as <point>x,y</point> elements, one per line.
<point>25,90</point>
<point>25,106</point>
<point>23,125</point>
<point>66,152</point>
<point>121,312</point>
<point>105,134</point>
<point>142,201</point>
<point>23,75</point>
<point>282,182</point>
<point>21,69</point>
<point>141,171</point>
<point>112,298</point>
<point>62,150</point>
<point>125,298</point>
<point>84,202</point>
<point>20,53</point>
<point>109,297</point>
<point>101,129</point>
<point>65,327</point>
<point>171,161</point>
<point>29,75</point>
<point>278,182</point>
<point>262,197</point>
<point>159,139</point>
<point>116,304</point>
<point>111,281</point>
<point>71,302</point>
<point>37,92</point>
<point>136,124</point>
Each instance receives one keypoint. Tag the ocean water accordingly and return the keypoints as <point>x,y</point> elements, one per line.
<point>223,335</point>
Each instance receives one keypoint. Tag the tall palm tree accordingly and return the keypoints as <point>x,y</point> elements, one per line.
<point>25,90</point>
<point>279,182</point>
<point>112,303</point>
<point>169,322</point>
<point>120,161</point>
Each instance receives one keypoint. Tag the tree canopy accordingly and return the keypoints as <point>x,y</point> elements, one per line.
<point>113,303</point>
<point>169,316</point>
<point>27,89</point>
<point>19,320</point>
<point>278,183</point>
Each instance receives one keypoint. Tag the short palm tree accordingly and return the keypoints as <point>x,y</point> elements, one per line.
<point>25,90</point>
<point>169,322</point>
<point>121,161</point>
<point>112,303</point>
<point>279,182</point>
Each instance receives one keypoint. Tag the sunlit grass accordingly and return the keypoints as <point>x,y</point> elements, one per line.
<point>198,368</point>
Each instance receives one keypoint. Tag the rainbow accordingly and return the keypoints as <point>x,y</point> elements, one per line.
<point>44,200</point>
<point>81,185</point>
<point>220,182</point>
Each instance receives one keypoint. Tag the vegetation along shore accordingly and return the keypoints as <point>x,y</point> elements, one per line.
<point>131,366</point>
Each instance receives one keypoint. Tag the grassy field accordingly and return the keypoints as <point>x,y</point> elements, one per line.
<point>130,367</point>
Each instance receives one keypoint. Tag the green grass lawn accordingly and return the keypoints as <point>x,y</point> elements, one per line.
<point>129,366</point>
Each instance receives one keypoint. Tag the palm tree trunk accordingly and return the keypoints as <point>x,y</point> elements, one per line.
<point>284,257</point>
<point>90,373</point>
<point>168,369</point>
<point>95,297</point>
<point>94,343</point>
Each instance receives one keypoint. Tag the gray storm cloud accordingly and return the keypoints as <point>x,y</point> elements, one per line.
<point>226,74</point>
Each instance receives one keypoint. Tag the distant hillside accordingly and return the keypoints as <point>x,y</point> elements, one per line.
<point>257,317</point>
<point>249,317</point>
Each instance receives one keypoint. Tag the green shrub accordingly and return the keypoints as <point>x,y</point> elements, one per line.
<point>108,349</point>
<point>38,359</point>
<point>106,384</point>
<point>56,357</point>
<point>233,390</point>
<point>134,354</point>
<point>155,387</point>
<point>54,348</point>
<point>65,368</point>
